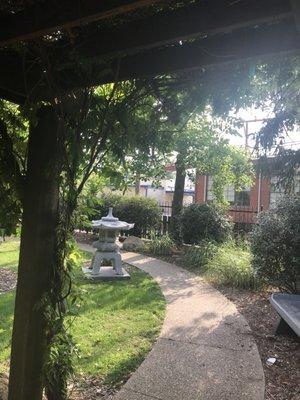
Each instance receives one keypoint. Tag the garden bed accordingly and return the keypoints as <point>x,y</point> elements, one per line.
<point>115,327</point>
<point>282,378</point>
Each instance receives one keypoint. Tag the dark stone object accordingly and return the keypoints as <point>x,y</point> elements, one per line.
<point>288,307</point>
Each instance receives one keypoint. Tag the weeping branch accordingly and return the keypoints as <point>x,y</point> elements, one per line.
<point>9,165</point>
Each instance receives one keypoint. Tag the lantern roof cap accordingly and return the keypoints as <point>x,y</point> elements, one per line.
<point>111,223</point>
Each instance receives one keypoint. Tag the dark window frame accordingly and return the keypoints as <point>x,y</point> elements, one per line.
<point>242,198</point>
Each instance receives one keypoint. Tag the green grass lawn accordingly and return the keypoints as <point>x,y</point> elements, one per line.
<point>115,327</point>
<point>9,254</point>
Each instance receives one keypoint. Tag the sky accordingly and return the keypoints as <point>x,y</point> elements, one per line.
<point>250,114</point>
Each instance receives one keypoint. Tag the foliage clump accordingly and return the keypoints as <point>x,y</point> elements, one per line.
<point>275,243</point>
<point>94,203</point>
<point>226,264</point>
<point>142,211</point>
<point>204,222</point>
<point>196,257</point>
<point>105,201</point>
<point>161,245</point>
<point>231,266</point>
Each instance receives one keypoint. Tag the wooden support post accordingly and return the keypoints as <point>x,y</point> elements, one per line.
<point>37,258</point>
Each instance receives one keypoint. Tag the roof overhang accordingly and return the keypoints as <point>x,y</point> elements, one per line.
<point>167,40</point>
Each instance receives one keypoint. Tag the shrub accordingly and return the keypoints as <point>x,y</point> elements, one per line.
<point>231,266</point>
<point>91,203</point>
<point>226,264</point>
<point>204,222</point>
<point>144,212</point>
<point>161,245</point>
<point>105,201</point>
<point>275,243</point>
<point>196,257</point>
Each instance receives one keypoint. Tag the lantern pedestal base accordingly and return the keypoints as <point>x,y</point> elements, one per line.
<point>105,274</point>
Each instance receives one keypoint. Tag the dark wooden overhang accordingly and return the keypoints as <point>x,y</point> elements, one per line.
<point>132,39</point>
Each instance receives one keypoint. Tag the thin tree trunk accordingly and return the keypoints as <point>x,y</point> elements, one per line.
<point>36,263</point>
<point>137,184</point>
<point>177,202</point>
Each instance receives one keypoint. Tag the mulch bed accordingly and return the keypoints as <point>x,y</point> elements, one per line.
<point>8,280</point>
<point>90,389</point>
<point>83,237</point>
<point>283,377</point>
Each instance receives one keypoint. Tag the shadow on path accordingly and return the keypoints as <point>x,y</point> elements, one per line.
<point>205,350</point>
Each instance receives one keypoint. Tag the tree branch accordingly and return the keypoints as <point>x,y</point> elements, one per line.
<point>9,166</point>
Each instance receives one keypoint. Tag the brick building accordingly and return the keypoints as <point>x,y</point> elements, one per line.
<point>245,205</point>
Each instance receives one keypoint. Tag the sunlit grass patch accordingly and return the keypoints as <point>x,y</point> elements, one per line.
<point>116,325</point>
<point>9,254</point>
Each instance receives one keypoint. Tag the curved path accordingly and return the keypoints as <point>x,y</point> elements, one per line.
<point>205,350</point>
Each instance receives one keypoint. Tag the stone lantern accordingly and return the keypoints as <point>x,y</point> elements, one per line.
<point>107,249</point>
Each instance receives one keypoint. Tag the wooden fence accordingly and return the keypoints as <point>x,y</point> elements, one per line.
<point>242,217</point>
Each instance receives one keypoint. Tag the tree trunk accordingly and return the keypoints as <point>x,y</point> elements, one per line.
<point>36,263</point>
<point>137,185</point>
<point>177,202</point>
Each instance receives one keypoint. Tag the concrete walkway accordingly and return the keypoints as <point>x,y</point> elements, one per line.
<point>205,350</point>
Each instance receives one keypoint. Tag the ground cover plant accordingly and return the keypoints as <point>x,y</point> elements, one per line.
<point>226,264</point>
<point>9,254</point>
<point>114,327</point>
<point>231,266</point>
<point>160,245</point>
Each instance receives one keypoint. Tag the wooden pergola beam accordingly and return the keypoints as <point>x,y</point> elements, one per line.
<point>12,80</point>
<point>185,23</point>
<point>12,97</point>
<point>279,38</point>
<point>47,17</point>
<point>220,49</point>
<point>296,10</point>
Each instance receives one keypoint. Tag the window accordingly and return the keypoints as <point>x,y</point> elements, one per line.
<point>209,196</point>
<point>277,191</point>
<point>242,198</point>
<point>228,191</point>
<point>229,194</point>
